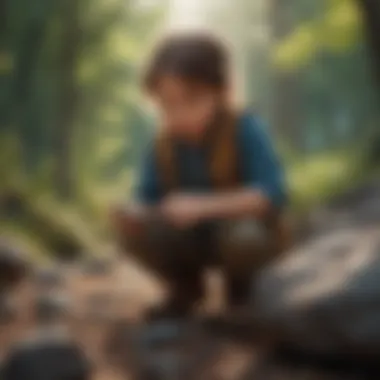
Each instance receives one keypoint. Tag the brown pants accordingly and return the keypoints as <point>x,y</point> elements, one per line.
<point>239,247</point>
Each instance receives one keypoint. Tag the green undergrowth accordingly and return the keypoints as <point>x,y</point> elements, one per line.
<point>315,179</point>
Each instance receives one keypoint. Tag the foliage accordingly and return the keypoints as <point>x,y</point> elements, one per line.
<point>336,31</point>
<point>72,126</point>
<point>325,75</point>
<point>316,178</point>
<point>69,109</point>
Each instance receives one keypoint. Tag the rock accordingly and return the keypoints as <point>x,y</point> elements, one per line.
<point>163,366</point>
<point>355,196</point>
<point>49,278</point>
<point>167,350</point>
<point>46,354</point>
<point>97,267</point>
<point>355,208</point>
<point>325,296</point>
<point>369,211</point>
<point>51,307</point>
<point>279,367</point>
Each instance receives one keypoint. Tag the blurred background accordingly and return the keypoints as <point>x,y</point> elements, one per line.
<point>73,120</point>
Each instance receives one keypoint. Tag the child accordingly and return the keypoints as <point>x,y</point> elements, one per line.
<point>211,190</point>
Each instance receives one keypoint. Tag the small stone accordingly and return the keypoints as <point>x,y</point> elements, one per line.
<point>51,307</point>
<point>97,267</point>
<point>49,278</point>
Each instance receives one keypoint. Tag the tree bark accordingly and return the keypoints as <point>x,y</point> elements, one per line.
<point>16,108</point>
<point>371,15</point>
<point>286,107</point>
<point>64,176</point>
<point>4,108</point>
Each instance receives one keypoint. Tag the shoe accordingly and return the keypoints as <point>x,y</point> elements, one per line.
<point>238,292</point>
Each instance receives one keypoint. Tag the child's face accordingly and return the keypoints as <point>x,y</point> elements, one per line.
<point>187,109</point>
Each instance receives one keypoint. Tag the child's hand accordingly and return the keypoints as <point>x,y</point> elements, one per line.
<point>127,220</point>
<point>182,210</point>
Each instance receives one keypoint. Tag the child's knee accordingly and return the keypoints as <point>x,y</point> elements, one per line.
<point>244,245</point>
<point>160,246</point>
<point>246,234</point>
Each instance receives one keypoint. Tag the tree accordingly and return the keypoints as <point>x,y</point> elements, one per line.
<point>371,15</point>
<point>286,92</point>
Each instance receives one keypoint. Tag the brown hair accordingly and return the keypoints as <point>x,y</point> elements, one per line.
<point>195,57</point>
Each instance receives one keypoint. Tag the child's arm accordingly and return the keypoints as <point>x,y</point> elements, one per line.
<point>261,168</point>
<point>263,187</point>
<point>148,190</point>
<point>262,190</point>
<point>127,219</point>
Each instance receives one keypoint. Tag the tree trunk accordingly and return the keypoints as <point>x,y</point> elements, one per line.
<point>371,15</point>
<point>64,177</point>
<point>286,108</point>
<point>4,109</point>
<point>15,111</point>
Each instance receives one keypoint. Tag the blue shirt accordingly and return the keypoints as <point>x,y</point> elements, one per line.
<point>258,163</point>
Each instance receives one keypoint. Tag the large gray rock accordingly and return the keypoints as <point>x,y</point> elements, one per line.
<point>325,295</point>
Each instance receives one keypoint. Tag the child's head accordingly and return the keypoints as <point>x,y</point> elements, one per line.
<point>188,79</point>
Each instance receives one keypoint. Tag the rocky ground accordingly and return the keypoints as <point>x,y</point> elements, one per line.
<point>100,305</point>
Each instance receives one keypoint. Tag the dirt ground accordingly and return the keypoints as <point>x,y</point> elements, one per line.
<point>125,292</point>
<point>122,294</point>
<point>119,297</point>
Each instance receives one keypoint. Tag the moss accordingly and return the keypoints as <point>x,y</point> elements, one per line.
<point>51,228</point>
<point>315,179</point>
